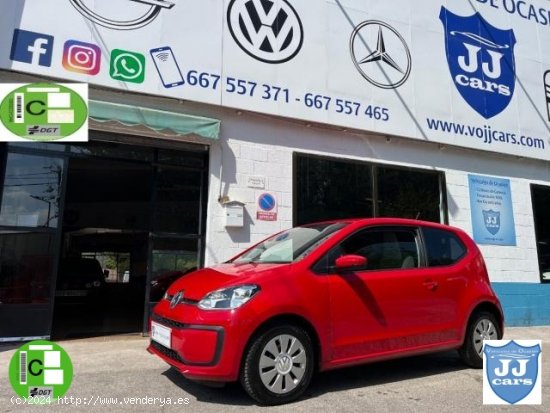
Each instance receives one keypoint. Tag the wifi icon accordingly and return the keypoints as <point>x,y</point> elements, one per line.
<point>163,56</point>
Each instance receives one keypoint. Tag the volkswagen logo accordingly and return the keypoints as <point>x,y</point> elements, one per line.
<point>380,54</point>
<point>137,13</point>
<point>176,299</point>
<point>269,31</point>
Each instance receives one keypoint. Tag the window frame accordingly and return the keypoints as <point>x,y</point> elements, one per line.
<point>414,229</point>
<point>425,247</point>
<point>374,195</point>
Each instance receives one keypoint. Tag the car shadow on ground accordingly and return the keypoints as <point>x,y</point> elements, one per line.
<point>333,381</point>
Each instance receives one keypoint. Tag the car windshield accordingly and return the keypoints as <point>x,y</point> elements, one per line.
<point>290,245</point>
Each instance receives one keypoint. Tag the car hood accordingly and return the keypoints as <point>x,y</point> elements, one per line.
<point>199,283</point>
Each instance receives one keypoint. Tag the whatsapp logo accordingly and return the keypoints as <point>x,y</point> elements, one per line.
<point>40,371</point>
<point>127,66</point>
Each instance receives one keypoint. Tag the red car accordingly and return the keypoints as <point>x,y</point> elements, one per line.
<point>324,296</point>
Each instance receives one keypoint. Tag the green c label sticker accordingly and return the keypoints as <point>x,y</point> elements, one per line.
<point>40,370</point>
<point>43,111</point>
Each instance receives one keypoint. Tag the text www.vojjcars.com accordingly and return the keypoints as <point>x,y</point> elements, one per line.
<point>486,134</point>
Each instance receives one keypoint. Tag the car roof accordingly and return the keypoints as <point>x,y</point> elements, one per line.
<point>389,221</point>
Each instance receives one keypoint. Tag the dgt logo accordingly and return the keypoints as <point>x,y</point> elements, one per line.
<point>481,61</point>
<point>41,370</point>
<point>269,31</point>
<point>512,372</point>
<point>31,47</point>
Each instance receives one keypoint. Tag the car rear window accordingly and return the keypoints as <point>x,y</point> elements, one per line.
<point>442,247</point>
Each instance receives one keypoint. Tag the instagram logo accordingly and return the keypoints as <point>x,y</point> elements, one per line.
<point>81,57</point>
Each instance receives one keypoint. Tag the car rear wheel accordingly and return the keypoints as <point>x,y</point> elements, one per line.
<point>278,365</point>
<point>482,326</point>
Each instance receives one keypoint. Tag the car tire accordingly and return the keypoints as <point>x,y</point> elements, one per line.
<point>482,326</point>
<point>278,365</point>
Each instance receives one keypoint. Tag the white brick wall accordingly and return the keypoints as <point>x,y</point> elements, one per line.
<point>259,145</point>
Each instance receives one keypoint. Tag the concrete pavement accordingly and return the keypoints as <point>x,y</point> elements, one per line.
<point>117,374</point>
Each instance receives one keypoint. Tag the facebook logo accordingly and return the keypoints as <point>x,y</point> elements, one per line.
<point>31,47</point>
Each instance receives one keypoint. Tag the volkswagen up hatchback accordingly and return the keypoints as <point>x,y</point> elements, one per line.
<point>324,296</point>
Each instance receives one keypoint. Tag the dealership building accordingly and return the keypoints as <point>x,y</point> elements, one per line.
<point>214,124</point>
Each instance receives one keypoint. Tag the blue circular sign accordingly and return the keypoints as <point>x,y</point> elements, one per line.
<point>266,202</point>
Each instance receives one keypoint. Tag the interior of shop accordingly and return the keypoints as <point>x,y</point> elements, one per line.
<point>541,199</point>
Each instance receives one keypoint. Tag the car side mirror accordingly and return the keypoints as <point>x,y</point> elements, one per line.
<point>350,262</point>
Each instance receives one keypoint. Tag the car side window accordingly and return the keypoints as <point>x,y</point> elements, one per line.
<point>442,247</point>
<point>384,249</point>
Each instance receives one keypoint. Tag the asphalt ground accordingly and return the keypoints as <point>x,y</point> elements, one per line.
<point>116,374</point>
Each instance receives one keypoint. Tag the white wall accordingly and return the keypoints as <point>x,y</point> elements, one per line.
<point>259,145</point>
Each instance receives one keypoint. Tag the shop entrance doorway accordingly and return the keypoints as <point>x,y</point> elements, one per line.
<point>91,235</point>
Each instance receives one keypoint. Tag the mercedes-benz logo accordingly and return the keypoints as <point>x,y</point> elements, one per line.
<point>176,299</point>
<point>380,54</point>
<point>269,31</point>
<point>139,13</point>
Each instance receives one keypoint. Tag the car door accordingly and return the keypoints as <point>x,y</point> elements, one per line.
<point>388,305</point>
<point>448,266</point>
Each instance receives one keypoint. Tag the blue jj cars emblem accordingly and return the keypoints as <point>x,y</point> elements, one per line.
<point>492,221</point>
<point>512,370</point>
<point>481,61</point>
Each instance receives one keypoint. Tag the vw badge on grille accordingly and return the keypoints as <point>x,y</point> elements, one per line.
<point>176,299</point>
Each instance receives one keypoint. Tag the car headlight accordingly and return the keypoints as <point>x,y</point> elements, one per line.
<point>228,298</point>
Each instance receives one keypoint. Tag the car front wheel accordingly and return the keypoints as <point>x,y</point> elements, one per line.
<point>482,326</point>
<point>278,365</point>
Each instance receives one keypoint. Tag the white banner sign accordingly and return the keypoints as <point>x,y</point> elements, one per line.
<point>472,73</point>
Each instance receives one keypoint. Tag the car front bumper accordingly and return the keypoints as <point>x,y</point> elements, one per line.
<point>204,345</point>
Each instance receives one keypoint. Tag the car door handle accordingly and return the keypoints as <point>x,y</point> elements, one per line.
<point>430,285</point>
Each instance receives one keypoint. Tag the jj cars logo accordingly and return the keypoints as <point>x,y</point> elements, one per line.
<point>481,61</point>
<point>269,31</point>
<point>512,372</point>
<point>492,221</point>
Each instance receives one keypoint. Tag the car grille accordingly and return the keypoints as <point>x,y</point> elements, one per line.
<point>166,321</point>
<point>184,300</point>
<point>171,354</point>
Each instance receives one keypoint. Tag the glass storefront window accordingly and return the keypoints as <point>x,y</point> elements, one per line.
<point>115,265</point>
<point>171,259</point>
<point>177,204</point>
<point>188,159</point>
<point>59,147</point>
<point>332,189</point>
<point>113,150</point>
<point>329,189</point>
<point>26,267</point>
<point>540,197</point>
<point>32,189</point>
<point>407,193</point>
